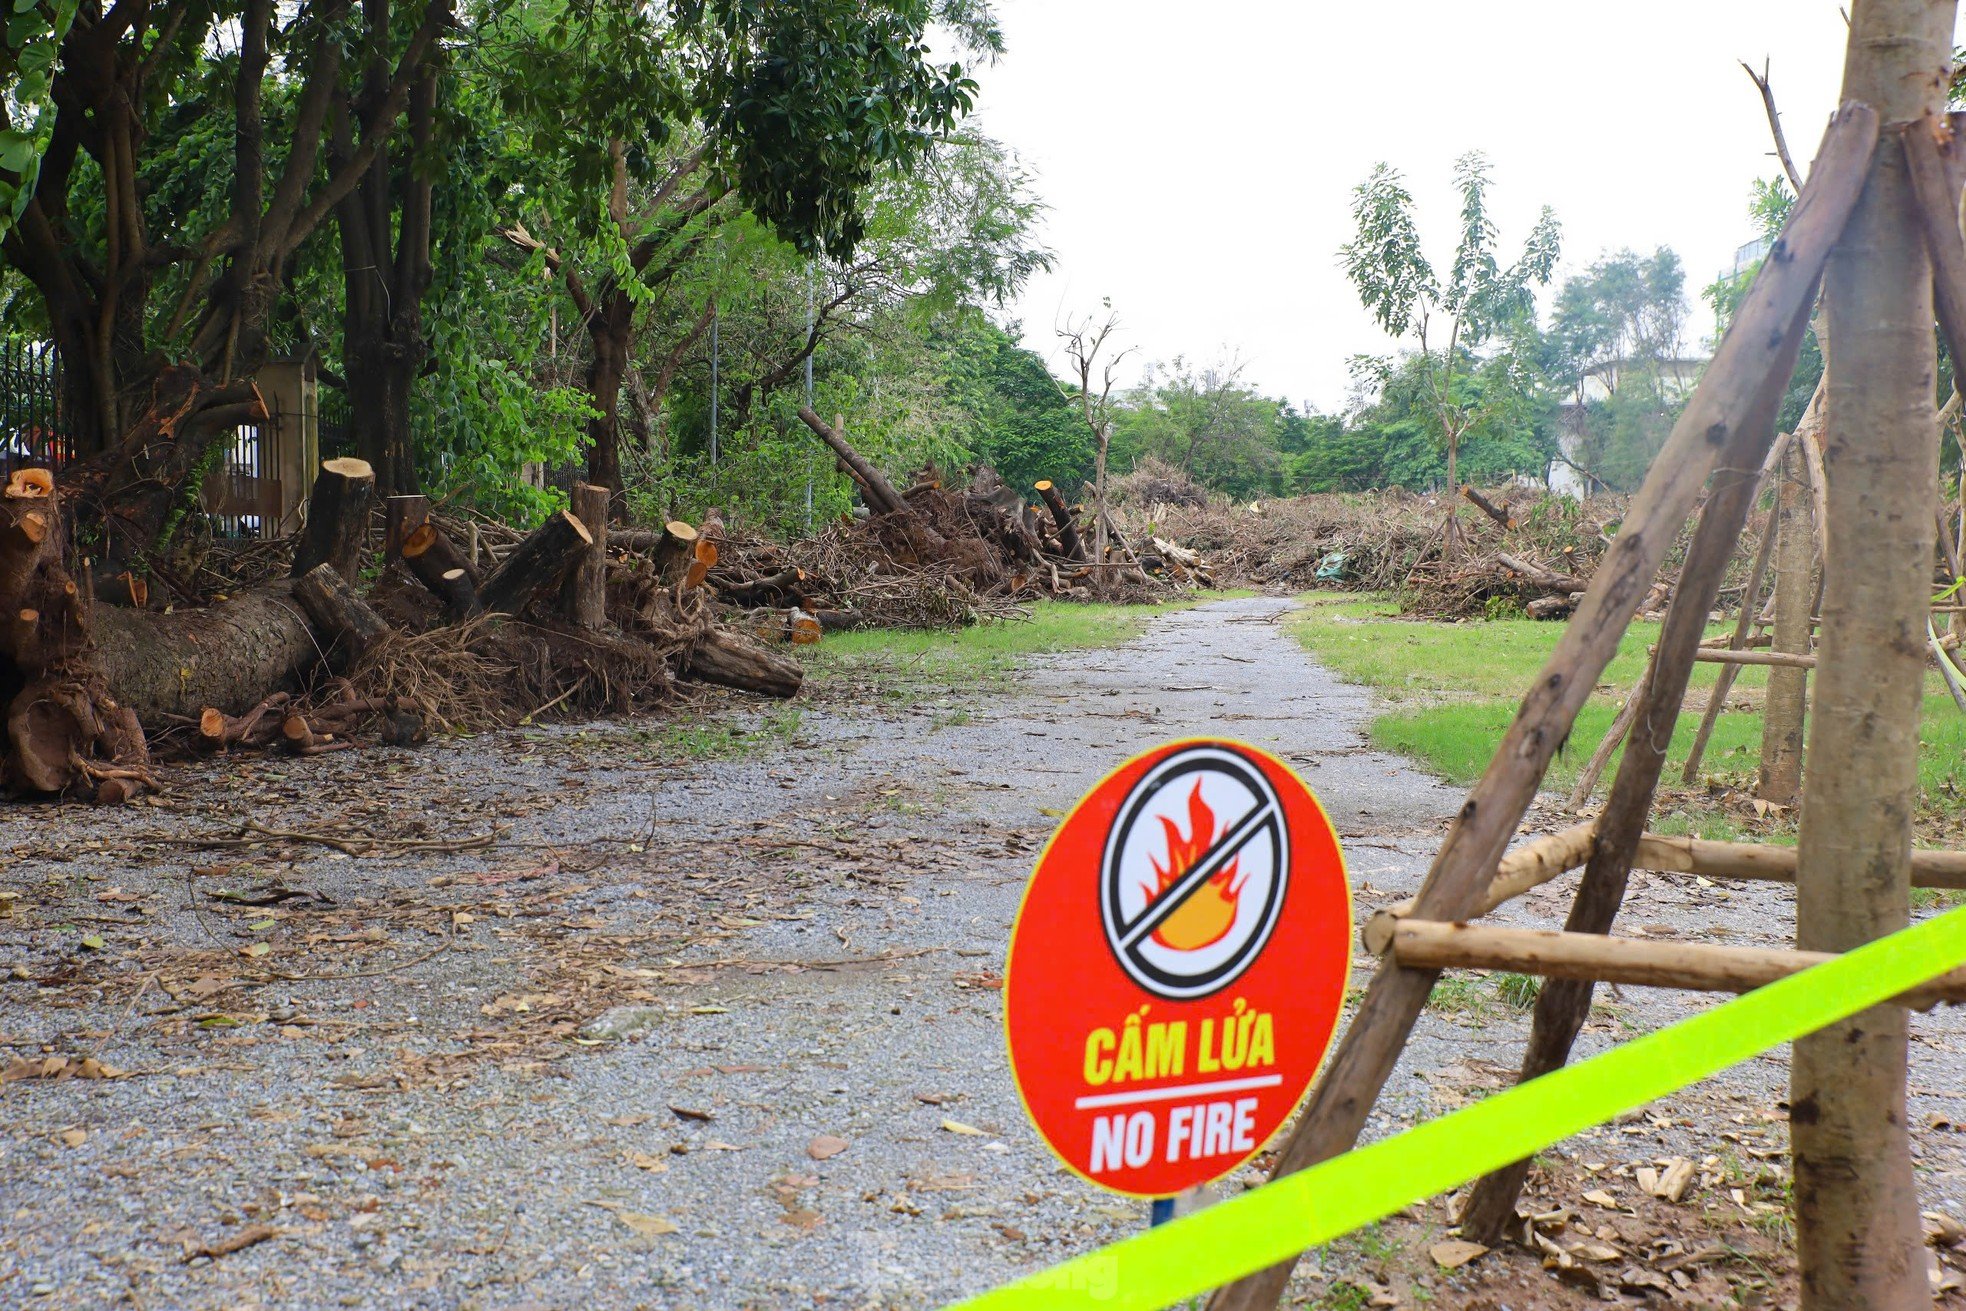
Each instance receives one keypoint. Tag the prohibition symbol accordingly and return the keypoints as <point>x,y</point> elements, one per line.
<point>1187,901</point>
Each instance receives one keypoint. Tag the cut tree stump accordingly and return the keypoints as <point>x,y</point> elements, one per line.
<point>729,660</point>
<point>344,618</point>
<point>337,528</point>
<point>585,595</point>
<point>537,566</point>
<point>436,562</point>
<point>1061,517</point>
<point>402,515</point>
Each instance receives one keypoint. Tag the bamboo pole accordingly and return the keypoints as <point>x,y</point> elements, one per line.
<point>1786,703</point>
<point>1760,346</point>
<point>1528,866</point>
<point>1596,958</point>
<point>1720,655</point>
<point>1750,861</point>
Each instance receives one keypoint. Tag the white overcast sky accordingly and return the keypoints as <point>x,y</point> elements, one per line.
<point>1198,159</point>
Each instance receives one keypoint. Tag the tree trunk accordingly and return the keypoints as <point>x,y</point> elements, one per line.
<point>537,565</point>
<point>381,375</point>
<point>1450,548</point>
<point>875,489</point>
<point>1061,518</point>
<point>1788,686</point>
<point>337,529</point>
<point>612,333</point>
<point>438,565</point>
<point>585,599</point>
<point>402,515</point>
<point>1856,1207</point>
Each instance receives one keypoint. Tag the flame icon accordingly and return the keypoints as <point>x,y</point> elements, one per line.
<point>1209,912</point>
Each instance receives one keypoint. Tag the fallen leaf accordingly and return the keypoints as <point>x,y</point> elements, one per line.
<point>643,1161</point>
<point>1455,1253</point>
<point>931,1098</point>
<point>803,1218</point>
<point>643,1226</point>
<point>256,949</point>
<point>93,942</point>
<point>957,1126</point>
<point>826,1146</point>
<point>73,1137</point>
<point>692,1112</point>
<point>709,1010</point>
<point>722,1147</point>
<point>1598,1197</point>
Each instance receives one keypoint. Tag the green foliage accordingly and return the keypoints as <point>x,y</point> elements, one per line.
<point>29,44</point>
<point>1207,424</point>
<point>1481,300</point>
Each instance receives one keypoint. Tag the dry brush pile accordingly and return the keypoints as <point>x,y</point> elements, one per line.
<point>1521,549</point>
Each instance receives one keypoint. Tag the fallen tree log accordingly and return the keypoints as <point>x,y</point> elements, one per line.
<point>1537,576</point>
<point>730,660</point>
<point>874,486</point>
<point>229,656</point>
<point>337,528</point>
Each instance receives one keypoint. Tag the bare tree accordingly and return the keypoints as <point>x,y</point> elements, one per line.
<point>1086,341</point>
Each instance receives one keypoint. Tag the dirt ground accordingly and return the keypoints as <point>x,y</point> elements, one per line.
<point>570,1017</point>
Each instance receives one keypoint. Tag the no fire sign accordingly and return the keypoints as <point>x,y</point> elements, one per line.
<point>1178,966</point>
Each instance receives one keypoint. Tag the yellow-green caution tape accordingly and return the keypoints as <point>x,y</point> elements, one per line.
<point>1275,1222</point>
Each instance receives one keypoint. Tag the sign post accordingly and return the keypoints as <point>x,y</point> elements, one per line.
<point>1177,968</point>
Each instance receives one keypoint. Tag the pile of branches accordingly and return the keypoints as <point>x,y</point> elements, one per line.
<point>1521,550</point>
<point>937,556</point>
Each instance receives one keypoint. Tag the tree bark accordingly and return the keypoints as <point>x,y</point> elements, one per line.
<point>1857,1228</point>
<point>1788,685</point>
<point>337,528</point>
<point>228,656</point>
<point>537,565</point>
<point>586,598</point>
<point>611,330</point>
<point>344,618</point>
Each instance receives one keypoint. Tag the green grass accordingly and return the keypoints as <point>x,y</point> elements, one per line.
<point>716,739</point>
<point>989,651</point>
<point>1454,689</point>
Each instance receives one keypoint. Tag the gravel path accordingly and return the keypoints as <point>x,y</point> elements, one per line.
<point>688,1034</point>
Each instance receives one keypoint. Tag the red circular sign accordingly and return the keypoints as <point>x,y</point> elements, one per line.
<point>1178,966</point>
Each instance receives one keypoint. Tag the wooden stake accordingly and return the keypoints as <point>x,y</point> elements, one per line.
<point>1757,352</point>
<point>1562,1008</point>
<point>1786,705</point>
<point>1746,620</point>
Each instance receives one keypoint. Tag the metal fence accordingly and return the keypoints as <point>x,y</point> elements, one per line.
<point>32,427</point>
